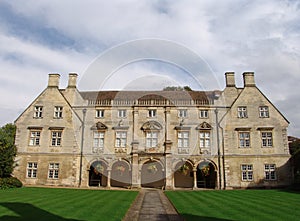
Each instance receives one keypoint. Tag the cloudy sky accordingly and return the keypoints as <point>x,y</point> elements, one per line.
<point>41,37</point>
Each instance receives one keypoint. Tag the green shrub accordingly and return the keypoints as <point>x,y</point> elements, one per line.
<point>10,182</point>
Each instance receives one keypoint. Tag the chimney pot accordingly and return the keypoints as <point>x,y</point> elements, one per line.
<point>53,80</point>
<point>249,79</point>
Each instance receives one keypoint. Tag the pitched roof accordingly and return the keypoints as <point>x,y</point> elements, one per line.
<point>149,95</point>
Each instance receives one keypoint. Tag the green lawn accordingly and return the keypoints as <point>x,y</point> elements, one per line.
<point>45,204</point>
<point>237,205</point>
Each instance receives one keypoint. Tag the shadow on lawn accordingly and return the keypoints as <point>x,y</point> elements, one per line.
<point>28,212</point>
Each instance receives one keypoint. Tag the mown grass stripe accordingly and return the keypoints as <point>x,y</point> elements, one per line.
<point>237,204</point>
<point>60,204</point>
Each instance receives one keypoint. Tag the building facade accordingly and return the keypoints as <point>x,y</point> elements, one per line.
<point>235,138</point>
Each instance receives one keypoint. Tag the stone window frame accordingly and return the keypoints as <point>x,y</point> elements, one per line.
<point>270,172</point>
<point>58,112</point>
<point>182,113</point>
<point>205,139</point>
<point>247,172</point>
<point>122,113</point>
<point>267,139</point>
<point>151,138</point>
<point>34,137</point>
<point>99,113</point>
<point>263,111</point>
<point>56,137</point>
<point>100,138</point>
<point>152,113</point>
<point>120,141</point>
<point>32,168</point>
<point>53,171</point>
<point>204,113</point>
<point>244,141</point>
<point>182,140</point>
<point>242,112</point>
<point>38,112</point>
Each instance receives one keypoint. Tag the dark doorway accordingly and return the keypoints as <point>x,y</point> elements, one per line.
<point>98,174</point>
<point>183,176</point>
<point>206,175</point>
<point>152,175</point>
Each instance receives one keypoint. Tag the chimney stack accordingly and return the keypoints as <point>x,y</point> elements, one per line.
<point>72,80</point>
<point>249,79</point>
<point>230,79</point>
<point>53,80</point>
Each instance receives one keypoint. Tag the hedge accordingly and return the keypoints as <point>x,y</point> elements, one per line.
<point>10,182</point>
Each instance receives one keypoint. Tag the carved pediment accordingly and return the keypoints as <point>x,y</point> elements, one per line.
<point>151,125</point>
<point>99,126</point>
<point>204,126</point>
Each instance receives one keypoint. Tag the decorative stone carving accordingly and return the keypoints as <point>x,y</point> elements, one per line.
<point>151,125</point>
<point>99,126</point>
<point>204,126</point>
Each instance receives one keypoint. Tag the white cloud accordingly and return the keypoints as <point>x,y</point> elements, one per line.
<point>232,35</point>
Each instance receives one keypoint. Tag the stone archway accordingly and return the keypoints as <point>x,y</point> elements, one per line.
<point>152,175</point>
<point>206,175</point>
<point>98,174</point>
<point>183,175</point>
<point>120,174</point>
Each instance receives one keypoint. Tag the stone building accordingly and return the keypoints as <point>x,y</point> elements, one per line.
<point>235,138</point>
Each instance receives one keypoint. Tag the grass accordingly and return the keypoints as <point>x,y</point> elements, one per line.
<point>236,205</point>
<point>63,204</point>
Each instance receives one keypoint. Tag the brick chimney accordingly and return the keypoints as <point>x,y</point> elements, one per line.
<point>53,80</point>
<point>72,80</point>
<point>230,79</point>
<point>249,79</point>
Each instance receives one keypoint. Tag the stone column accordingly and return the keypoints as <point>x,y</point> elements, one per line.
<point>168,173</point>
<point>108,177</point>
<point>136,181</point>
<point>195,178</point>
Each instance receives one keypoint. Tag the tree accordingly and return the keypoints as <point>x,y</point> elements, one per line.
<point>177,88</point>
<point>295,159</point>
<point>8,150</point>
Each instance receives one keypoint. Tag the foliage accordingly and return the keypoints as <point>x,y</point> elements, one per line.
<point>237,204</point>
<point>205,170</point>
<point>10,182</point>
<point>152,168</point>
<point>49,204</point>
<point>8,149</point>
<point>99,169</point>
<point>177,88</point>
<point>295,152</point>
<point>184,169</point>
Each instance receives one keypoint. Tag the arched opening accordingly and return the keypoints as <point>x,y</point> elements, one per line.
<point>98,174</point>
<point>152,175</point>
<point>121,174</point>
<point>183,176</point>
<point>206,175</point>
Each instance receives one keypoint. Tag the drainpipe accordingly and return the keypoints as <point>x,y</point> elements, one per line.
<point>81,146</point>
<point>218,145</point>
<point>223,159</point>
